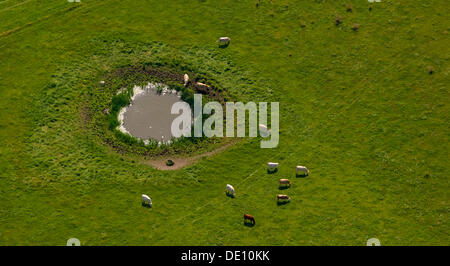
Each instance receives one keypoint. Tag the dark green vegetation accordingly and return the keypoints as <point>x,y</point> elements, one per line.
<point>360,108</point>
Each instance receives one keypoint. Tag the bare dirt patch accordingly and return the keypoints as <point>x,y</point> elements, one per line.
<point>181,162</point>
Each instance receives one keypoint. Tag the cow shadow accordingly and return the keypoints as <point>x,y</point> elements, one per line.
<point>272,171</point>
<point>223,46</point>
<point>301,176</point>
<point>146,205</point>
<point>283,187</point>
<point>249,224</point>
<point>229,195</point>
<point>279,203</point>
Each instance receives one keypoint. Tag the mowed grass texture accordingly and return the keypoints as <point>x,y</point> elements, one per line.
<point>358,108</point>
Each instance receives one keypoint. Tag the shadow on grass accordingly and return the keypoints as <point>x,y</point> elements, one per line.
<point>272,171</point>
<point>283,187</point>
<point>279,203</point>
<point>146,205</point>
<point>229,194</point>
<point>249,224</point>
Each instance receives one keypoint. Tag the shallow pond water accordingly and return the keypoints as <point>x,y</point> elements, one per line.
<point>148,115</point>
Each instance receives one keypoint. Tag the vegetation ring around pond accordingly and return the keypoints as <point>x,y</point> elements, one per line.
<point>138,117</point>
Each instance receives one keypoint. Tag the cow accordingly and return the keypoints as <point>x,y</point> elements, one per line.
<point>202,88</point>
<point>230,190</point>
<point>224,41</point>
<point>283,199</point>
<point>272,167</point>
<point>249,218</point>
<point>264,131</point>
<point>285,183</point>
<point>146,200</point>
<point>301,169</point>
<point>202,85</point>
<point>186,79</point>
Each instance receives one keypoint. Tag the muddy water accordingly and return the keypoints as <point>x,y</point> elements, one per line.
<point>149,115</point>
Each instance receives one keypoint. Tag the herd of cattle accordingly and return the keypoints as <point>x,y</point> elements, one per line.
<point>271,167</point>
<point>229,190</point>
<point>282,184</point>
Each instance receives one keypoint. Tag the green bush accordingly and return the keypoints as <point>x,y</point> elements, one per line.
<point>119,101</point>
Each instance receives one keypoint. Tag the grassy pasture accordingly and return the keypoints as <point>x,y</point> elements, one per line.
<point>359,108</point>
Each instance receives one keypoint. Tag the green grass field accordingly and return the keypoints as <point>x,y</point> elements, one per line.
<point>359,108</point>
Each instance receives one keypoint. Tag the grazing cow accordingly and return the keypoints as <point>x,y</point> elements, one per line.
<point>202,88</point>
<point>146,200</point>
<point>285,183</point>
<point>249,218</point>
<point>224,41</point>
<point>272,167</point>
<point>264,131</point>
<point>102,82</point>
<point>230,190</point>
<point>283,198</point>
<point>301,169</point>
<point>202,85</point>
<point>186,79</point>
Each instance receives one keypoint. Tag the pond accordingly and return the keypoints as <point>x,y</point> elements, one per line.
<point>148,116</point>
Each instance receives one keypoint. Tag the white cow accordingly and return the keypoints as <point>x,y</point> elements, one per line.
<point>230,190</point>
<point>272,167</point>
<point>264,131</point>
<point>186,79</point>
<point>301,169</point>
<point>146,200</point>
<point>224,41</point>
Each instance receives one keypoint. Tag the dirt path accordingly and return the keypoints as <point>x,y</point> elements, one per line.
<point>180,162</point>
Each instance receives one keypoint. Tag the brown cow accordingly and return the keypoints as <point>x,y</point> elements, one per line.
<point>248,217</point>
<point>202,88</point>
<point>285,183</point>
<point>283,198</point>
